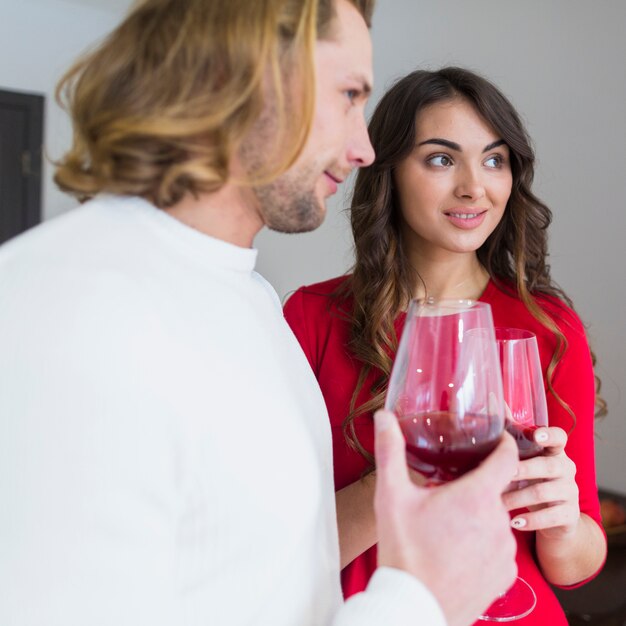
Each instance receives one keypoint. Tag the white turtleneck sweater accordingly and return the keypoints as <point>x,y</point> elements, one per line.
<point>165,454</point>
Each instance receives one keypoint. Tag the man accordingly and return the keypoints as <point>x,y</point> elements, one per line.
<point>165,455</point>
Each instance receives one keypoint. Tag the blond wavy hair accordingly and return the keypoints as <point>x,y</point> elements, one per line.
<point>161,105</point>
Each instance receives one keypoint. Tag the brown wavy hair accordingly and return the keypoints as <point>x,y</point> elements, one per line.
<point>382,279</point>
<point>159,108</point>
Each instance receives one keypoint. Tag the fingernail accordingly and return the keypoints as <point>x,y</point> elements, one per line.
<point>518,522</point>
<point>382,420</point>
<point>541,436</point>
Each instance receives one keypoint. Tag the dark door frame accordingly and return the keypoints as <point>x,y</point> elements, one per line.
<point>31,159</point>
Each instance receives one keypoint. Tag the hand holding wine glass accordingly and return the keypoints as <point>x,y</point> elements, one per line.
<point>446,389</point>
<point>550,492</point>
<point>546,474</point>
<point>440,535</point>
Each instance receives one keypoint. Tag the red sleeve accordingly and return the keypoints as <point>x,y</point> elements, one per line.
<point>574,382</point>
<point>294,311</point>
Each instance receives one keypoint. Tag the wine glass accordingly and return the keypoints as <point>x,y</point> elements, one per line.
<point>447,393</point>
<point>524,392</point>
<point>525,410</point>
<point>446,387</point>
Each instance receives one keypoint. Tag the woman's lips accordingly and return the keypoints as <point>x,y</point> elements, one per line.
<point>467,220</point>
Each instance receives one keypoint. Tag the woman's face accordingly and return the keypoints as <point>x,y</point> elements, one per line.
<point>453,187</point>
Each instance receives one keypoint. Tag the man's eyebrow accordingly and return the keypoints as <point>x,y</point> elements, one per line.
<point>366,86</point>
<point>455,146</point>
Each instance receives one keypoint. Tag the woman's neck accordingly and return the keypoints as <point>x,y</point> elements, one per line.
<point>452,276</point>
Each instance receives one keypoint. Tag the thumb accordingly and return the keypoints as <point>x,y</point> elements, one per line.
<point>391,467</point>
<point>552,439</point>
<point>499,468</point>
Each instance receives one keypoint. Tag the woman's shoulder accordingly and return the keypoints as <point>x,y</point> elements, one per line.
<point>324,288</point>
<point>318,314</point>
<point>566,318</point>
<point>503,296</point>
<point>332,294</point>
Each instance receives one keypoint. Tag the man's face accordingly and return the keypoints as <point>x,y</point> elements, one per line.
<point>338,141</point>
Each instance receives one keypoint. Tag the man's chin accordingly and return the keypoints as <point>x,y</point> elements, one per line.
<point>294,224</point>
<point>293,229</point>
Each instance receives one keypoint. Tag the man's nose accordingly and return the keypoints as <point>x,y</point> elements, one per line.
<point>360,151</point>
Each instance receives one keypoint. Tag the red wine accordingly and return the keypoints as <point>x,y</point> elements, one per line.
<point>524,437</point>
<point>443,445</point>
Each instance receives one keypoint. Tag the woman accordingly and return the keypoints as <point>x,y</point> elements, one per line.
<point>447,211</point>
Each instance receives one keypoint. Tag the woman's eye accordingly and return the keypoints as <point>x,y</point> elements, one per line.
<point>352,94</point>
<point>440,160</point>
<point>494,161</point>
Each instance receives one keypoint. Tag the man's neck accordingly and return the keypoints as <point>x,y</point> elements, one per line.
<point>229,214</point>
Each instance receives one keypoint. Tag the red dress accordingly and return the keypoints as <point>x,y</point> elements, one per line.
<point>319,322</point>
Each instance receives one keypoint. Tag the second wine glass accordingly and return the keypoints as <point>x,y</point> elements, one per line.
<point>525,411</point>
<point>524,392</point>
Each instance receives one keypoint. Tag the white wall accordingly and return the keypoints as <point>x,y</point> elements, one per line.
<point>39,39</point>
<point>561,62</point>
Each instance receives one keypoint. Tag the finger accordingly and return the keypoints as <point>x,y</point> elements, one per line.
<point>498,469</point>
<point>546,467</point>
<point>552,439</point>
<point>558,515</point>
<point>391,466</point>
<point>539,493</point>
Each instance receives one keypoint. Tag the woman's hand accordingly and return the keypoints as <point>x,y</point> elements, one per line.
<point>547,488</point>
<point>570,545</point>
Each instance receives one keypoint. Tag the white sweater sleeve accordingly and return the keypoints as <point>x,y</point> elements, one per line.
<point>393,598</point>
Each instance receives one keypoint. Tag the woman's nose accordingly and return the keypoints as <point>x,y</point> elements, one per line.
<point>469,184</point>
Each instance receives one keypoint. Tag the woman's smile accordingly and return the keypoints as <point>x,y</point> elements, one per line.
<point>466,219</point>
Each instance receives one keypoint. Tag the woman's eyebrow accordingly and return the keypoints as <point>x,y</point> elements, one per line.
<point>455,146</point>
<point>442,142</point>
<point>493,145</point>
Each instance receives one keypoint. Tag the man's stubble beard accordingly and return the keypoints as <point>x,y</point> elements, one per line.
<point>289,203</point>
